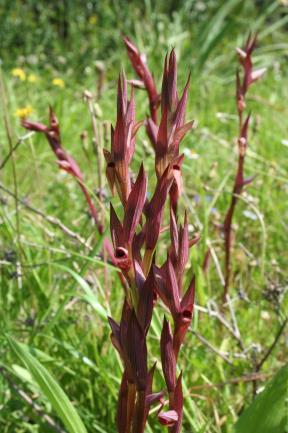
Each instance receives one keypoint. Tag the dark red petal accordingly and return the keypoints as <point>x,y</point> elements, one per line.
<point>168,418</point>
<point>180,133</point>
<point>116,229</point>
<point>174,237</point>
<point>144,74</point>
<point>135,128</point>
<point>121,417</point>
<point>115,328</point>
<point>248,180</point>
<point>146,297</point>
<point>139,275</point>
<point>167,356</point>
<point>239,91</point>
<point>119,144</point>
<point>137,352</point>
<point>134,206</point>
<point>121,95</point>
<point>178,405</point>
<point>150,378</point>
<point>124,324</point>
<point>107,156</point>
<point>184,317</point>
<point>152,131</point>
<point>172,289</point>
<point>194,241</point>
<point>172,81</point>
<point>183,249</point>
<point>181,108</point>
<point>153,398</point>
<point>115,337</point>
<point>130,113</point>
<point>137,243</point>
<point>162,136</point>
<point>130,46</point>
<point>244,131</point>
<point>164,90</point>
<point>250,43</point>
<point>160,276</point>
<point>187,302</point>
<point>149,399</point>
<point>156,208</point>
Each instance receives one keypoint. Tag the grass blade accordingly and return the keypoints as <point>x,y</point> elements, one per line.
<point>54,393</point>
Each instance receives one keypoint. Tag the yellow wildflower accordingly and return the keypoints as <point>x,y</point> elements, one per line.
<point>58,82</point>
<point>32,78</point>
<point>24,111</point>
<point>19,73</point>
<point>93,19</point>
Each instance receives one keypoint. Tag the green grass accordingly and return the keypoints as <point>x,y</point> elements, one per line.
<point>48,305</point>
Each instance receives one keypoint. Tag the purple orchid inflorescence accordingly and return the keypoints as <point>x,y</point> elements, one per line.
<point>135,240</point>
<point>243,83</point>
<point>64,160</point>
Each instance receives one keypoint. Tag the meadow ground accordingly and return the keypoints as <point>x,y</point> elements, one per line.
<point>55,293</point>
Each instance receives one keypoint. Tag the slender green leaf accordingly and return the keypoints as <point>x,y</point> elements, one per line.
<point>54,393</point>
<point>268,412</point>
<point>216,28</point>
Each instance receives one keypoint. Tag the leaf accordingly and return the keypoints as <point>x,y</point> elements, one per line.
<point>268,412</point>
<point>89,295</point>
<point>54,393</point>
<point>23,373</point>
<point>217,28</point>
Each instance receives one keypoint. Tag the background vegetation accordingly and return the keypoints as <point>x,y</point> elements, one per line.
<point>54,295</point>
